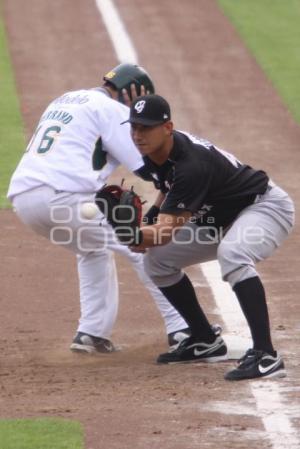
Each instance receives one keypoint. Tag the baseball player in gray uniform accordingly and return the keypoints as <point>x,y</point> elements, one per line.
<point>77,144</point>
<point>214,207</point>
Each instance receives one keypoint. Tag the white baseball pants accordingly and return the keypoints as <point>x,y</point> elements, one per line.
<point>56,216</point>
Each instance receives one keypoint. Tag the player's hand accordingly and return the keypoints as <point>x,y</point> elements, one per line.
<point>133,93</point>
<point>143,90</point>
<point>126,98</point>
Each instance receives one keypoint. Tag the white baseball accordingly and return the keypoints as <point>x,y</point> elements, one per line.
<point>89,210</point>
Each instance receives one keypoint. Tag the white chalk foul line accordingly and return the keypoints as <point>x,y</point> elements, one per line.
<point>265,393</point>
<point>277,423</point>
<point>269,401</point>
<point>121,41</point>
<point>239,340</point>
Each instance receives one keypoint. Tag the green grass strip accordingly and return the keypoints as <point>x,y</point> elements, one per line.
<point>43,433</point>
<point>12,139</point>
<point>271,30</point>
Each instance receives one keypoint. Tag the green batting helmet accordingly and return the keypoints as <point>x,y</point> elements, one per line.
<point>122,76</point>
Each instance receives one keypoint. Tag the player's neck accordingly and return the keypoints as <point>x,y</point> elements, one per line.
<point>104,90</point>
<point>161,155</point>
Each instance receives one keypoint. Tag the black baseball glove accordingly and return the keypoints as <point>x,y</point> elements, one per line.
<point>123,210</point>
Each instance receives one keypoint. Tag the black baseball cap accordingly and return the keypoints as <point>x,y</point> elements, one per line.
<point>149,110</point>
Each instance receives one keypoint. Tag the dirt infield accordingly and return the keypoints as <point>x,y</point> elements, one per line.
<point>216,88</point>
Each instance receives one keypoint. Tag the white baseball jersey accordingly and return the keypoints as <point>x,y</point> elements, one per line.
<point>60,151</point>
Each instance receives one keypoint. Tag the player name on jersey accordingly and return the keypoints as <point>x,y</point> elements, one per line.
<point>60,116</point>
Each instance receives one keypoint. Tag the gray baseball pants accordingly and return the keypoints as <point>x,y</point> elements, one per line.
<point>255,234</point>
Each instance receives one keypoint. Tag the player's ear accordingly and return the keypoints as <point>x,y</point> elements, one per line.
<point>169,127</point>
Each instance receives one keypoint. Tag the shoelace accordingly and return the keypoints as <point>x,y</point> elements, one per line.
<point>187,342</point>
<point>252,355</point>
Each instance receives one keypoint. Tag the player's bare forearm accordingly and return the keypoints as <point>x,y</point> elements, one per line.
<point>162,232</point>
<point>156,235</point>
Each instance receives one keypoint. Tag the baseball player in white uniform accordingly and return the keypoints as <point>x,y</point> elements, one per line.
<point>77,144</point>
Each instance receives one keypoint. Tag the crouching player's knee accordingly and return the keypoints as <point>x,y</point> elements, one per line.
<point>236,265</point>
<point>161,270</point>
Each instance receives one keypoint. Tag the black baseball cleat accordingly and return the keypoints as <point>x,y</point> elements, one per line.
<point>176,337</point>
<point>256,364</point>
<point>86,343</point>
<point>191,351</point>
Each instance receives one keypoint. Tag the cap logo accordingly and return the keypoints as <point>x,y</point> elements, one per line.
<point>110,75</point>
<point>140,106</point>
